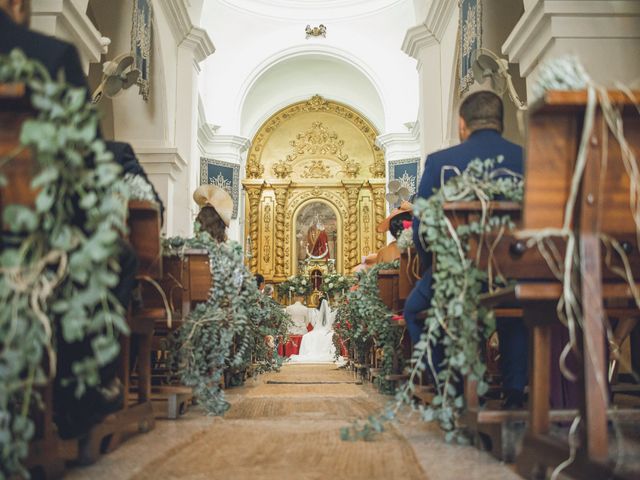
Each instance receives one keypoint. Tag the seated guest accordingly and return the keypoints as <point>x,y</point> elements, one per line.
<point>56,55</point>
<point>74,416</point>
<point>480,125</point>
<point>216,207</point>
<point>393,223</point>
<point>299,317</point>
<point>260,281</point>
<point>268,290</point>
<point>124,156</point>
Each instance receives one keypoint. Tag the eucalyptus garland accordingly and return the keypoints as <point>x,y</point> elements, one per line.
<point>363,318</point>
<point>63,262</point>
<point>229,330</point>
<point>456,319</point>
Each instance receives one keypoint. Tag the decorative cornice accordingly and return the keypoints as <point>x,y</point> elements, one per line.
<point>184,31</point>
<point>83,32</point>
<point>160,160</point>
<point>399,145</point>
<point>548,20</point>
<point>431,31</point>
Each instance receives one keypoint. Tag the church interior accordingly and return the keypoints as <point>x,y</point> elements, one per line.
<point>315,239</point>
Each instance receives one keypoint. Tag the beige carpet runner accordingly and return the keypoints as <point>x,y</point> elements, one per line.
<point>280,431</point>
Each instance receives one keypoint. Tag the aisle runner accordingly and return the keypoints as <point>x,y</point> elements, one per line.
<point>290,430</point>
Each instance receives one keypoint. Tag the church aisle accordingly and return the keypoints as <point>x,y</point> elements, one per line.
<point>286,425</point>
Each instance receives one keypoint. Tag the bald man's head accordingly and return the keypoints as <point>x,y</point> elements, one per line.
<point>18,10</point>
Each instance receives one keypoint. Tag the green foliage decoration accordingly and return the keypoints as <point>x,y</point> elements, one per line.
<point>228,331</point>
<point>455,319</point>
<point>334,284</point>
<point>59,263</point>
<point>363,318</point>
<point>295,285</point>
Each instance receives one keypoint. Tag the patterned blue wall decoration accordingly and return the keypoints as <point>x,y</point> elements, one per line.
<point>406,171</point>
<point>470,38</point>
<point>141,38</point>
<point>223,174</point>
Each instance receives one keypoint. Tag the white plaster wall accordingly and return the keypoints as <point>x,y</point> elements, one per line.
<point>247,45</point>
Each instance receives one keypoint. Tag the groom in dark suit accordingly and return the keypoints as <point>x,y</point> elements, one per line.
<point>480,125</point>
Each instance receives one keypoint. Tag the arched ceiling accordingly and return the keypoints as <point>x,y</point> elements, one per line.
<point>311,10</point>
<point>303,76</point>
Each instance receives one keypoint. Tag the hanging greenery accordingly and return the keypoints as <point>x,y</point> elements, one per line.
<point>363,318</point>
<point>456,319</point>
<point>227,332</point>
<point>56,277</point>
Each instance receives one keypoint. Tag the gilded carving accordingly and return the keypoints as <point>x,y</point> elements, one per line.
<point>352,228</point>
<point>281,200</point>
<point>378,197</point>
<point>316,169</point>
<point>254,202</point>
<point>267,230</point>
<point>282,169</point>
<point>316,104</point>
<point>351,168</point>
<point>254,168</point>
<point>318,140</point>
<point>366,221</point>
<point>316,192</point>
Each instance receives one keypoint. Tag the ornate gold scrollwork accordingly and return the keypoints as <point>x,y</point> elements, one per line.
<point>378,198</point>
<point>254,168</point>
<point>254,204</point>
<point>318,140</point>
<point>267,228</point>
<point>282,169</point>
<point>281,200</point>
<point>352,228</point>
<point>316,169</point>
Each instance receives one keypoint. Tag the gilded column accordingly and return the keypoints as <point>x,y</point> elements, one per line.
<point>351,233</point>
<point>254,193</point>
<point>378,190</point>
<point>281,193</point>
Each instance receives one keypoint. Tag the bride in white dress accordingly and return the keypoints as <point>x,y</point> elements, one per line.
<point>317,345</point>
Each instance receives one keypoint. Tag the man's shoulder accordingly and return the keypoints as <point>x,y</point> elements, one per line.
<point>34,44</point>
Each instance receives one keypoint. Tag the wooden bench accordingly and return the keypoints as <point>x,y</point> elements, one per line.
<point>602,206</point>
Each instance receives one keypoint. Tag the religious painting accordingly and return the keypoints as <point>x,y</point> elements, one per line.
<point>316,232</point>
<point>225,175</point>
<point>141,37</point>
<point>470,39</point>
<point>406,172</point>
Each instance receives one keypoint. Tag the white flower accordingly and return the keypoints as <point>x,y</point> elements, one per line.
<point>304,281</point>
<point>330,285</point>
<point>292,288</point>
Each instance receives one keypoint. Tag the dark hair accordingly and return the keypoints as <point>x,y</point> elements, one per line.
<point>259,279</point>
<point>395,225</point>
<point>322,299</point>
<point>482,110</point>
<point>212,223</point>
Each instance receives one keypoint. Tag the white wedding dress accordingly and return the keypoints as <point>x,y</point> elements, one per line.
<point>317,345</point>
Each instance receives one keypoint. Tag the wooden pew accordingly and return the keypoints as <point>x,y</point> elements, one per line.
<point>555,130</point>
<point>186,281</point>
<point>44,459</point>
<point>137,413</point>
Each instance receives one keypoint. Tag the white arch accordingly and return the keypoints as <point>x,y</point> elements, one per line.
<point>305,51</point>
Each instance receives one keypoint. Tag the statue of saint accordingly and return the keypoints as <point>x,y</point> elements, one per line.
<point>317,241</point>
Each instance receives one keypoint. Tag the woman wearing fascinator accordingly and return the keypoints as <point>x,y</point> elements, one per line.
<point>216,207</point>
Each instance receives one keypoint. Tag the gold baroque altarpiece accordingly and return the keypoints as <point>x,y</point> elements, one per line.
<point>313,151</point>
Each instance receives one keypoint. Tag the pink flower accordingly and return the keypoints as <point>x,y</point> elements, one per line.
<point>407,224</point>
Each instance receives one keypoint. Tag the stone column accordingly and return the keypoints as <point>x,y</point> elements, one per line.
<point>604,35</point>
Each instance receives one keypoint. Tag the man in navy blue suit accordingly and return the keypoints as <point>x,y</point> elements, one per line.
<point>480,125</point>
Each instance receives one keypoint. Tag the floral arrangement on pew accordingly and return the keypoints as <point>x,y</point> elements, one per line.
<point>362,319</point>
<point>456,319</point>
<point>228,332</point>
<point>56,278</point>
<point>334,284</point>
<point>405,240</point>
<point>295,285</point>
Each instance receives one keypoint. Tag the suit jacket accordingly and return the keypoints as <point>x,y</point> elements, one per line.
<point>482,144</point>
<point>124,155</point>
<point>56,55</point>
